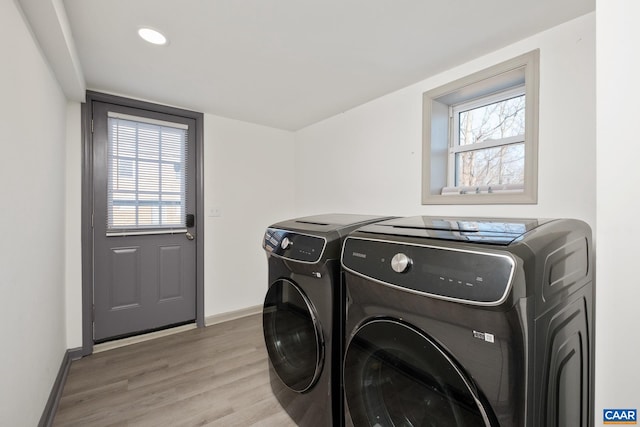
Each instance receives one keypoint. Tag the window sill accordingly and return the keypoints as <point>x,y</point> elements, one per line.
<point>480,199</point>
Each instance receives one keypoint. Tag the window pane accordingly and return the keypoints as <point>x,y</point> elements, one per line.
<point>172,181</point>
<point>494,121</point>
<point>172,214</point>
<point>148,176</point>
<point>147,172</point>
<point>124,216</point>
<point>491,166</point>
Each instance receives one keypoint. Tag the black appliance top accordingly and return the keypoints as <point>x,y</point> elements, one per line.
<point>305,239</point>
<point>327,222</point>
<point>495,231</point>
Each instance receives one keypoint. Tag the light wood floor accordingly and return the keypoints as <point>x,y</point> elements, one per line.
<point>214,376</point>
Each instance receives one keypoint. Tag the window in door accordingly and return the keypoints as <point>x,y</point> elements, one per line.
<point>146,174</point>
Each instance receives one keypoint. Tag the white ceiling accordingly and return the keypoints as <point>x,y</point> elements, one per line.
<point>291,63</point>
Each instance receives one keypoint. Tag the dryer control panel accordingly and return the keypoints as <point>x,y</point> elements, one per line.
<point>450,273</point>
<point>294,246</point>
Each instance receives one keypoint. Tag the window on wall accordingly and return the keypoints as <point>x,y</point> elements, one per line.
<point>480,136</point>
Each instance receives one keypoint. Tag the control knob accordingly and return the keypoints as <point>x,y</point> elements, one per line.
<point>400,263</point>
<point>286,243</point>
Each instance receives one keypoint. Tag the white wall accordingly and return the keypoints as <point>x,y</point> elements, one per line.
<point>249,181</point>
<point>32,171</point>
<point>617,286</point>
<point>373,152</point>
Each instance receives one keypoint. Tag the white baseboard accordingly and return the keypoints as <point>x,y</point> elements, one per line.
<point>232,315</point>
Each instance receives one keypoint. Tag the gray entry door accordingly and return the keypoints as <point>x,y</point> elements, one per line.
<point>143,223</point>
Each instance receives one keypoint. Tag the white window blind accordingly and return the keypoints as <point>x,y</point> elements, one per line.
<point>146,180</point>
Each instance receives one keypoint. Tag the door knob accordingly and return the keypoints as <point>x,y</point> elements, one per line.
<point>190,236</point>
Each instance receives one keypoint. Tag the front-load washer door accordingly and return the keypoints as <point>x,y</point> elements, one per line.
<point>293,335</point>
<point>394,375</point>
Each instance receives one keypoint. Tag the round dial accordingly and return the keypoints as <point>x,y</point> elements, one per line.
<point>286,243</point>
<point>400,263</point>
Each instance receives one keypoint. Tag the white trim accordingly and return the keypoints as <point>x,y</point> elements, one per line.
<point>232,315</point>
<point>487,143</point>
<point>483,189</point>
<point>493,98</point>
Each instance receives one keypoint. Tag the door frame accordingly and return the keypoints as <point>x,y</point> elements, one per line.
<point>87,204</point>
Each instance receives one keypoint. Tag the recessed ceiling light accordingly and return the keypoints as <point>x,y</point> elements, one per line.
<point>152,36</point>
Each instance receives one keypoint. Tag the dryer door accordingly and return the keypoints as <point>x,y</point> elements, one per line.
<point>394,375</point>
<point>293,335</point>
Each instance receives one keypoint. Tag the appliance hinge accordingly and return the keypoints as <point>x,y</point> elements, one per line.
<point>91,125</point>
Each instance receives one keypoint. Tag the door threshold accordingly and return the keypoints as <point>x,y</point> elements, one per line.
<point>110,345</point>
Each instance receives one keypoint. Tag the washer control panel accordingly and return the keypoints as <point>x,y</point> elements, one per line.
<point>294,246</point>
<point>445,272</point>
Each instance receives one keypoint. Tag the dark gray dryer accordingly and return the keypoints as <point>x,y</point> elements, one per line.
<point>469,322</point>
<point>303,317</point>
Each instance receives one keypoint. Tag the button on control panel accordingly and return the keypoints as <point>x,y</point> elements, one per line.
<point>286,243</point>
<point>400,263</point>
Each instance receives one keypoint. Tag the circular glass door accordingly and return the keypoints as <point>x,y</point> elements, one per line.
<point>292,335</point>
<point>394,375</point>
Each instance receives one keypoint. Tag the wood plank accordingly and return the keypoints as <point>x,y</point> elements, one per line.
<point>214,376</point>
